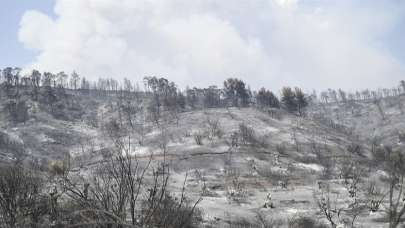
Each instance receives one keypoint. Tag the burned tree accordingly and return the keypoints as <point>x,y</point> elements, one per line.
<point>22,202</point>
<point>235,92</point>
<point>393,163</point>
<point>266,98</point>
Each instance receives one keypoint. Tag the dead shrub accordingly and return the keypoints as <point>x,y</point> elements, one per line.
<point>58,167</point>
<point>236,190</point>
<point>275,113</point>
<point>355,149</point>
<point>198,138</point>
<point>171,212</point>
<point>247,135</point>
<point>260,221</point>
<point>305,222</point>
<point>277,178</point>
<point>214,129</point>
<point>281,148</point>
<point>22,203</point>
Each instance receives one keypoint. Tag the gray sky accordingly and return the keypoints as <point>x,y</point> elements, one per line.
<point>309,43</point>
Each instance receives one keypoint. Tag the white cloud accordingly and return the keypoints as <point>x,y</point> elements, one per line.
<point>265,42</point>
<point>291,4</point>
<point>34,24</point>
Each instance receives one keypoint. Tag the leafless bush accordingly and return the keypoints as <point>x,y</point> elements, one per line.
<point>352,174</point>
<point>187,134</point>
<point>170,211</point>
<point>275,113</point>
<point>338,215</point>
<point>260,221</point>
<point>380,109</point>
<point>374,195</point>
<point>119,190</point>
<point>12,147</point>
<point>295,139</point>
<point>307,158</point>
<point>17,110</point>
<point>315,148</point>
<point>401,137</point>
<point>375,142</point>
<point>278,178</point>
<point>22,203</point>
<point>393,163</point>
<point>213,128</point>
<point>141,129</point>
<point>326,121</point>
<point>236,189</point>
<point>242,223</point>
<point>233,140</point>
<point>200,176</point>
<point>264,222</point>
<point>247,134</point>
<point>262,141</point>
<point>355,149</point>
<point>400,106</point>
<point>58,167</point>
<point>328,166</point>
<point>198,138</point>
<point>305,222</point>
<point>328,207</point>
<point>281,148</point>
<point>323,156</point>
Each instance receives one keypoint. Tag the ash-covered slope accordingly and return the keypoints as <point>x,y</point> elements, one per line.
<point>379,121</point>
<point>46,132</point>
<point>234,157</point>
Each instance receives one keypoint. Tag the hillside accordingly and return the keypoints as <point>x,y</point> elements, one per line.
<point>274,152</point>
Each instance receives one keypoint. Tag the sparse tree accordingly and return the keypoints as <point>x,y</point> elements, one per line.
<point>74,80</point>
<point>21,201</point>
<point>333,95</point>
<point>35,79</point>
<point>235,92</point>
<point>212,97</point>
<point>61,79</point>
<point>288,99</point>
<point>402,84</point>
<point>84,85</point>
<point>47,78</point>
<point>266,98</point>
<point>378,103</point>
<point>393,162</point>
<point>342,95</point>
<point>192,97</point>
<point>17,110</point>
<point>301,101</point>
<point>325,97</point>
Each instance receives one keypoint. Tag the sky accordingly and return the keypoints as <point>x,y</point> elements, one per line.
<point>314,44</point>
<point>11,12</point>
